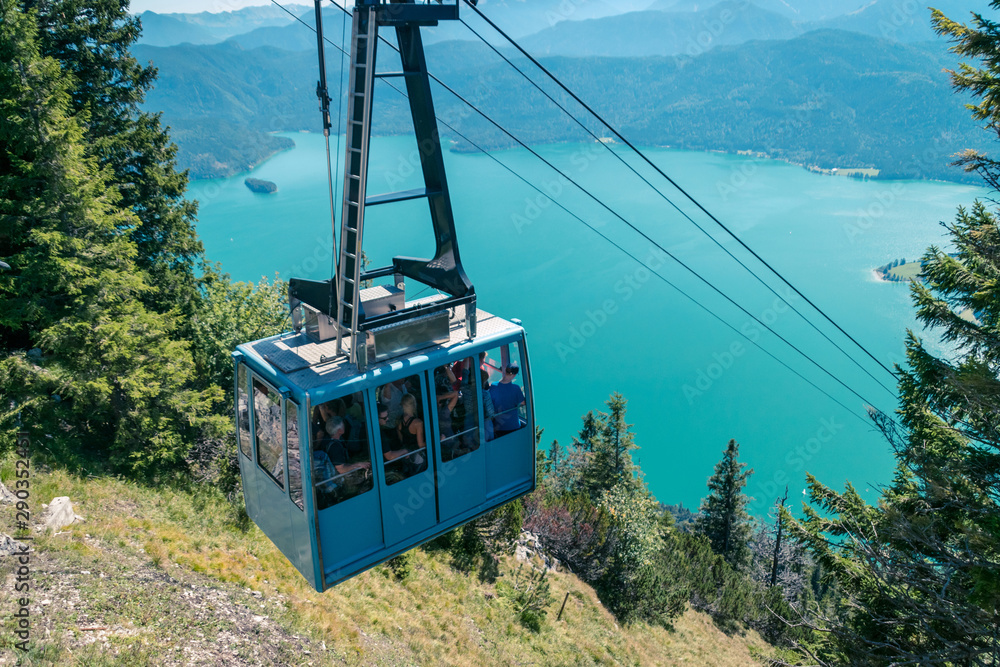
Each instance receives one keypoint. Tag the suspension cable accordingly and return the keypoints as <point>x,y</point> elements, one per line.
<point>603,205</point>
<point>675,206</point>
<point>674,184</point>
<point>619,247</point>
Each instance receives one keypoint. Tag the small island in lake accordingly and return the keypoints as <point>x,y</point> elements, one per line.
<point>263,187</point>
<point>900,271</point>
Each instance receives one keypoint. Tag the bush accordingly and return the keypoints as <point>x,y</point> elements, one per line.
<point>401,567</point>
<point>529,593</point>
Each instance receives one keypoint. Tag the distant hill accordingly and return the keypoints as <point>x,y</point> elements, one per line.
<point>827,98</point>
<point>163,30</point>
<point>903,21</point>
<point>212,27</point>
<point>799,10</point>
<point>524,17</point>
<point>294,36</point>
<point>658,33</point>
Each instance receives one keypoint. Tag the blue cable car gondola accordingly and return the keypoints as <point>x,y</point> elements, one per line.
<point>380,423</point>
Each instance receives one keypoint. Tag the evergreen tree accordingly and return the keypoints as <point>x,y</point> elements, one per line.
<point>111,374</point>
<point>589,433</point>
<point>611,442</point>
<point>91,41</point>
<point>920,572</point>
<point>723,516</point>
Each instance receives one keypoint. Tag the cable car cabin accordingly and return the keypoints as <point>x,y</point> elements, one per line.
<point>343,470</point>
<point>381,423</point>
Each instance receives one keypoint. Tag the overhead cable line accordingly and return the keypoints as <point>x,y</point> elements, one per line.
<point>656,244</point>
<point>631,255</point>
<point>675,206</point>
<point>650,269</point>
<point>674,183</point>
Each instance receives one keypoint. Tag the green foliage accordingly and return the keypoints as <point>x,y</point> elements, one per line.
<point>118,376</point>
<point>918,571</point>
<point>723,516</point>
<point>129,350</point>
<point>91,39</point>
<point>230,314</point>
<point>529,593</point>
<point>608,442</point>
<point>401,566</point>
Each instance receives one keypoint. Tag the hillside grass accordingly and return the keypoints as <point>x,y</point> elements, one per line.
<point>167,576</point>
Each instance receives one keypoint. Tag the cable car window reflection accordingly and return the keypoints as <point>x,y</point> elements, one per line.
<point>457,390</point>
<point>341,455</point>
<point>506,391</point>
<point>401,429</point>
<point>294,455</point>
<point>243,410</point>
<point>267,426</point>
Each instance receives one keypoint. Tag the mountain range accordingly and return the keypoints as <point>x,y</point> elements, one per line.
<point>730,76</point>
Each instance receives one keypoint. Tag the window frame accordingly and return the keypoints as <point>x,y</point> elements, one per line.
<point>288,472</point>
<point>247,373</point>
<point>283,484</point>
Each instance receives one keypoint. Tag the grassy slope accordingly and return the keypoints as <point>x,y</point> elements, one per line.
<point>164,577</point>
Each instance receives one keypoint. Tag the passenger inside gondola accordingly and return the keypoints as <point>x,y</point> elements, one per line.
<point>507,401</point>
<point>341,465</point>
<point>458,412</point>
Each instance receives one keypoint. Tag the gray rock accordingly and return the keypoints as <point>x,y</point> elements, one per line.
<point>9,546</point>
<point>5,495</point>
<point>59,514</point>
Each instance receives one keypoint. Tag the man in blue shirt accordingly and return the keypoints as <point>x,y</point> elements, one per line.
<point>507,397</point>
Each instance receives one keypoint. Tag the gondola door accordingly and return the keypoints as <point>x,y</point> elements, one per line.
<point>245,456</point>
<point>461,460</point>
<point>269,457</point>
<point>347,500</point>
<point>406,473</point>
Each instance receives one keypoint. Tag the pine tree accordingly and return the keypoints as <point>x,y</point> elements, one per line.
<point>589,433</point>
<point>91,40</point>
<point>920,572</point>
<point>723,516</point>
<point>111,374</point>
<point>611,443</point>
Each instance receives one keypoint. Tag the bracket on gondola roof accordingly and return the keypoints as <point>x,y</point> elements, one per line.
<point>340,299</point>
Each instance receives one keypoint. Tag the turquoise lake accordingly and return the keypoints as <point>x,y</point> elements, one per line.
<point>598,322</point>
